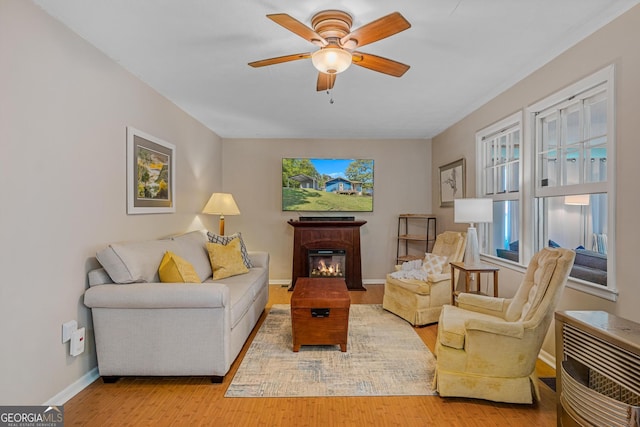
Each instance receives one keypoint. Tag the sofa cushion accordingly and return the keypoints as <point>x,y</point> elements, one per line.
<point>591,259</point>
<point>223,240</point>
<point>193,248</point>
<point>135,261</point>
<point>174,269</point>
<point>243,291</point>
<point>226,260</point>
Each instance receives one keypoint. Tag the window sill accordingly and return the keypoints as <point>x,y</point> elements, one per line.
<point>573,283</point>
<point>593,289</point>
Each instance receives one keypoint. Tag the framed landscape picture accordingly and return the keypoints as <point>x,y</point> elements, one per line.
<point>452,182</point>
<point>150,174</point>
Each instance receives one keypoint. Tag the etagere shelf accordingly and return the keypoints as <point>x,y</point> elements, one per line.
<point>403,250</point>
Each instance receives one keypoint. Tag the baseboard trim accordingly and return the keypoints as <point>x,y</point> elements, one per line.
<point>65,395</point>
<point>280,282</point>
<point>547,358</point>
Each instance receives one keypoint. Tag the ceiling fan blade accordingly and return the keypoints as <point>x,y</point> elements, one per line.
<point>325,81</point>
<point>298,28</point>
<point>377,30</point>
<point>280,59</point>
<point>380,64</point>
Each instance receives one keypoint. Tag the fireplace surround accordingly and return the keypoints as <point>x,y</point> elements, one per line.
<point>312,235</point>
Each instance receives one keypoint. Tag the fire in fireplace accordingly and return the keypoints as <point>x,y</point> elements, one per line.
<point>327,262</point>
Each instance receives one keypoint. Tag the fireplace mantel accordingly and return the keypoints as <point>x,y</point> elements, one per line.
<point>328,234</point>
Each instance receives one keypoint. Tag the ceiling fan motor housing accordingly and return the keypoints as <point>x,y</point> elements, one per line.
<point>332,24</point>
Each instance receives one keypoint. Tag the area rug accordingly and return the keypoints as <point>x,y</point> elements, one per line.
<point>384,357</point>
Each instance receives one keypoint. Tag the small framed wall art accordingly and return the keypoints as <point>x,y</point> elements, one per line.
<point>452,182</point>
<point>150,174</point>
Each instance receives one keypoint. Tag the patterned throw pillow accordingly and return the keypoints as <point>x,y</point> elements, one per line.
<point>174,269</point>
<point>224,240</point>
<point>434,264</point>
<point>226,260</point>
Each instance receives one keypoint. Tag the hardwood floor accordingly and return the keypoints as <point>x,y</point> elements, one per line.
<point>196,401</point>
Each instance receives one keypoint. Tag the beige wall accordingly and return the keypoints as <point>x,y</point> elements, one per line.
<point>64,108</point>
<point>252,172</point>
<point>616,44</point>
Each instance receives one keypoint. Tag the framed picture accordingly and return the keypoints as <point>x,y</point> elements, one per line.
<point>452,182</point>
<point>150,174</point>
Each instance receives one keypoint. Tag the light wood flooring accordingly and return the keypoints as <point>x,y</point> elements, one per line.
<point>196,401</point>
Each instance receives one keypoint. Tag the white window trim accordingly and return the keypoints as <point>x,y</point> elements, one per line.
<point>605,75</point>
<point>514,120</point>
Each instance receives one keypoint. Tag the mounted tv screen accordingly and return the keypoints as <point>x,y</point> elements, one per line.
<point>327,185</point>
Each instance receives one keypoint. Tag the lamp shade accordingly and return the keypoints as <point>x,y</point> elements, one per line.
<point>221,204</point>
<point>578,200</point>
<point>473,210</point>
<point>331,60</point>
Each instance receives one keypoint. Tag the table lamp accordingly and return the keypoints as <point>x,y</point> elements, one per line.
<point>472,211</point>
<point>221,204</point>
<point>581,200</point>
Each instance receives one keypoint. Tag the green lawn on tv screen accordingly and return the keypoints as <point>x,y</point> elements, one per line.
<point>306,199</point>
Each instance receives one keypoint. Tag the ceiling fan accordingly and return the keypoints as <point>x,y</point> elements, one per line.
<point>337,42</point>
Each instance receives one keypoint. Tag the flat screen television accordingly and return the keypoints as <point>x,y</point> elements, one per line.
<point>327,185</point>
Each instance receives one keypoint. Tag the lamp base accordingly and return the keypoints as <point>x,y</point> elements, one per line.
<point>472,250</point>
<point>221,225</point>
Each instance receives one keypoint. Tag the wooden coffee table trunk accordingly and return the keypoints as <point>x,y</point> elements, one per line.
<point>320,312</point>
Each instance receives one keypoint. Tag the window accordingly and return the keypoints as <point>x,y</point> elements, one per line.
<point>499,148</point>
<point>572,139</point>
<point>550,175</point>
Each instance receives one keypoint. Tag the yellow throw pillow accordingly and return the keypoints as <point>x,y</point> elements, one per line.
<point>174,269</point>
<point>226,260</point>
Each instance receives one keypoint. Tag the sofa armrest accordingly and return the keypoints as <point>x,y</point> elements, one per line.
<point>158,295</point>
<point>259,258</point>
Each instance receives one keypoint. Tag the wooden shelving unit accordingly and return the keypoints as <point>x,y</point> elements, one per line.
<point>405,237</point>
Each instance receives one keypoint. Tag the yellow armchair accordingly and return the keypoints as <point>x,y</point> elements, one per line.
<point>419,302</point>
<point>487,347</point>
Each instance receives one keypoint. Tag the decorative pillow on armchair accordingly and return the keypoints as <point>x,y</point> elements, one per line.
<point>434,264</point>
<point>224,240</point>
<point>226,260</point>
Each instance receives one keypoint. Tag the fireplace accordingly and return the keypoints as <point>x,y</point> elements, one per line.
<point>328,263</point>
<point>313,236</point>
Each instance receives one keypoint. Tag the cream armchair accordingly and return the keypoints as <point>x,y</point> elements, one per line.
<point>419,302</point>
<point>487,347</point>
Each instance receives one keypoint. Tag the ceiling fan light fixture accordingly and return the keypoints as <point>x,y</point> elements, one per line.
<point>331,60</point>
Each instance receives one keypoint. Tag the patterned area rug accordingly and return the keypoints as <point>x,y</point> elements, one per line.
<point>384,357</point>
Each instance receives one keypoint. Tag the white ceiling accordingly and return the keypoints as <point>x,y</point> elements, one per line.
<point>462,53</point>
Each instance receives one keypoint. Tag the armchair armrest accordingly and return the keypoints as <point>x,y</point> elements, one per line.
<point>509,329</point>
<point>438,277</point>
<point>259,258</point>
<point>158,295</point>
<point>483,304</point>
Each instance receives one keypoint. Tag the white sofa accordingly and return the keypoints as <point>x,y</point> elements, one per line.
<point>147,328</point>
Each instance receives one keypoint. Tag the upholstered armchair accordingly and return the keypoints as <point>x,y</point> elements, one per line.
<point>418,301</point>
<point>487,347</point>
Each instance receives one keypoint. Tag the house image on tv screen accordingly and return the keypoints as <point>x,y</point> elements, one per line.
<point>343,186</point>
<point>338,185</point>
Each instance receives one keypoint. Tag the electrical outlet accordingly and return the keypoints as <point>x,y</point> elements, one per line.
<point>77,342</point>
<point>67,329</point>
